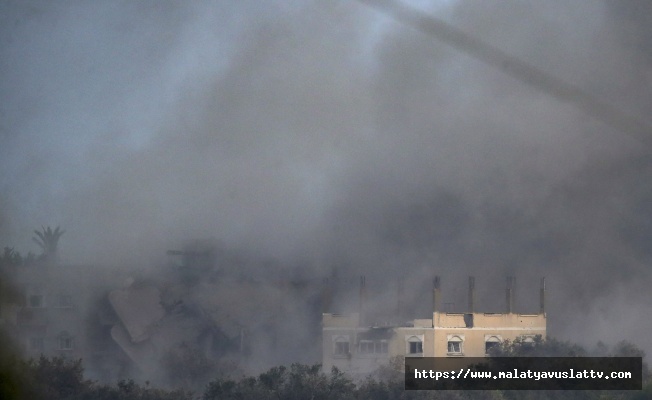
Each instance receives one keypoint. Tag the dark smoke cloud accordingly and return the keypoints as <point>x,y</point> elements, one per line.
<point>327,135</point>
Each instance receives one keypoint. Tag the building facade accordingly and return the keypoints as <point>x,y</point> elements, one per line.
<point>57,311</point>
<point>358,348</point>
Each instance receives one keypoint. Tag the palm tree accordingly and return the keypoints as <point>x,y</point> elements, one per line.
<point>11,257</point>
<point>48,240</point>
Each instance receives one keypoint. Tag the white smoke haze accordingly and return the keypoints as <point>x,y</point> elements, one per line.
<point>324,134</point>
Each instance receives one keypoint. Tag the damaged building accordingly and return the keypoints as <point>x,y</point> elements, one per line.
<point>56,311</point>
<point>204,315</point>
<point>358,346</point>
<point>197,319</point>
<point>200,315</point>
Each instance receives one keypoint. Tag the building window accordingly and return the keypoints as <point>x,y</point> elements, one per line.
<point>491,342</point>
<point>528,340</point>
<point>35,301</point>
<point>415,345</point>
<point>66,342</point>
<point>382,347</point>
<point>36,344</point>
<point>341,346</point>
<point>64,301</point>
<point>455,345</point>
<point>369,347</point>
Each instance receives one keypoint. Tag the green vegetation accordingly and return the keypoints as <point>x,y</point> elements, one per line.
<point>48,240</point>
<point>59,379</point>
<point>11,257</point>
<point>555,348</point>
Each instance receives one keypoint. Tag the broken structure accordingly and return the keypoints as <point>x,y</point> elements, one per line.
<point>57,312</point>
<point>194,316</point>
<point>357,346</point>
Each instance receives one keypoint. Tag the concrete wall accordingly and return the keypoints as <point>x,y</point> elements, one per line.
<point>484,327</point>
<point>472,330</point>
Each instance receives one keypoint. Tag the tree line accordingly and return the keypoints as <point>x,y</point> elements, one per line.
<point>59,379</point>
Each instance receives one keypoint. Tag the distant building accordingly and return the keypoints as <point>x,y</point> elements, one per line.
<point>50,321</point>
<point>195,317</point>
<point>166,323</point>
<point>359,348</point>
<point>58,312</point>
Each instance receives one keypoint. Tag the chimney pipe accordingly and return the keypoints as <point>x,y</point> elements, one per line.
<point>511,283</point>
<point>327,295</point>
<point>436,294</point>
<point>399,299</point>
<point>542,296</point>
<point>471,293</point>
<point>363,298</point>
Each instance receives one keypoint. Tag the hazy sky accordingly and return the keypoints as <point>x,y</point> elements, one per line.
<point>324,133</point>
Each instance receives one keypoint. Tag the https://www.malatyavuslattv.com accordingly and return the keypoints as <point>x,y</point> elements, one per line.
<point>468,373</point>
<point>567,373</point>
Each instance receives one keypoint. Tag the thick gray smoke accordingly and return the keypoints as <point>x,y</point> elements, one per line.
<point>326,134</point>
